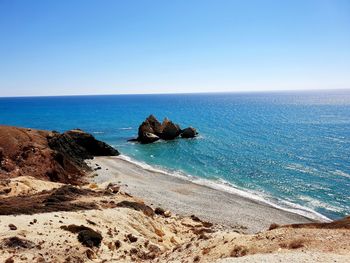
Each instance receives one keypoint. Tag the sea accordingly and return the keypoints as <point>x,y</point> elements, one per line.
<point>288,149</point>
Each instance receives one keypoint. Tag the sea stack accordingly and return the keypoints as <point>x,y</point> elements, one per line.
<point>152,130</point>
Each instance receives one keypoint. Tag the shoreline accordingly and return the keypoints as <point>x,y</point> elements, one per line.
<point>222,185</point>
<point>186,197</point>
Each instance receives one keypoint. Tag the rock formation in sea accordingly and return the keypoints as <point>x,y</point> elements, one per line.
<point>152,130</point>
<point>189,132</point>
<point>58,157</point>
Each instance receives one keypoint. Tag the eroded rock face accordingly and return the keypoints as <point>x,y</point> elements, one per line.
<point>48,155</point>
<point>155,124</point>
<point>78,146</point>
<point>152,130</point>
<point>170,130</point>
<point>149,137</point>
<point>90,144</point>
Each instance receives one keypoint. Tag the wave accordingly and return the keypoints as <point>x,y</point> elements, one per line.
<point>340,173</point>
<point>301,168</point>
<point>317,203</point>
<point>126,128</point>
<point>223,185</point>
<point>98,132</point>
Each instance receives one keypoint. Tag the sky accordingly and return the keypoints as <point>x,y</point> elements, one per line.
<point>76,47</point>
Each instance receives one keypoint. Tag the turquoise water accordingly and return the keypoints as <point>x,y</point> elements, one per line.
<point>292,149</point>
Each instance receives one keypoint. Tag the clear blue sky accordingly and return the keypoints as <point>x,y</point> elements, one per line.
<point>134,46</point>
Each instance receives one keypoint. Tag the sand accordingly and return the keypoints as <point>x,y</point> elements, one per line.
<point>186,198</point>
<point>133,235</point>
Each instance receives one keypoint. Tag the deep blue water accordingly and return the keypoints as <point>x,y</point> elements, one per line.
<point>288,147</point>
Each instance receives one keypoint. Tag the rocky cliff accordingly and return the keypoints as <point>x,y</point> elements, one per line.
<point>53,156</point>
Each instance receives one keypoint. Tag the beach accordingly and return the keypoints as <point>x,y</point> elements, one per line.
<point>185,198</point>
<point>63,200</point>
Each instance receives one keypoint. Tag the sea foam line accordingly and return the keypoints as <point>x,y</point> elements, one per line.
<point>222,185</point>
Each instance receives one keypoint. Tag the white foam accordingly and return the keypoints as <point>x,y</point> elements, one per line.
<point>225,186</point>
<point>340,173</point>
<point>317,203</point>
<point>126,128</point>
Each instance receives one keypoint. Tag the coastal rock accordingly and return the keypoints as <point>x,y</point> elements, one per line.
<point>148,137</point>
<point>155,124</point>
<point>48,155</point>
<point>170,130</point>
<point>90,144</point>
<point>189,132</point>
<point>152,130</point>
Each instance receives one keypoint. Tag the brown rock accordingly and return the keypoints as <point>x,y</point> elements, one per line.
<point>9,260</point>
<point>189,132</point>
<point>90,238</point>
<point>159,211</point>
<point>117,244</point>
<point>149,130</point>
<point>155,124</point>
<point>167,213</point>
<point>170,130</point>
<point>131,238</point>
<point>12,227</point>
<point>137,206</point>
<point>90,254</point>
<point>113,188</point>
<point>48,155</point>
<point>16,242</point>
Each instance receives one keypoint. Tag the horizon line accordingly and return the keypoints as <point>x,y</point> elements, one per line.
<point>177,93</point>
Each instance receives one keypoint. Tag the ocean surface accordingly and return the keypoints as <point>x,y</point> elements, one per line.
<point>291,149</point>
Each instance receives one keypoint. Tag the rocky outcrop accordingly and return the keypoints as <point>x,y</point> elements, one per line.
<point>152,130</point>
<point>78,146</point>
<point>170,130</point>
<point>148,137</point>
<point>189,132</point>
<point>48,155</point>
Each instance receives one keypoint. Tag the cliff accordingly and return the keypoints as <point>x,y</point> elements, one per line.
<point>48,155</point>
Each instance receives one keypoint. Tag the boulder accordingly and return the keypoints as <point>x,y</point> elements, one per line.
<point>170,130</point>
<point>90,238</point>
<point>189,132</point>
<point>148,137</point>
<point>87,236</point>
